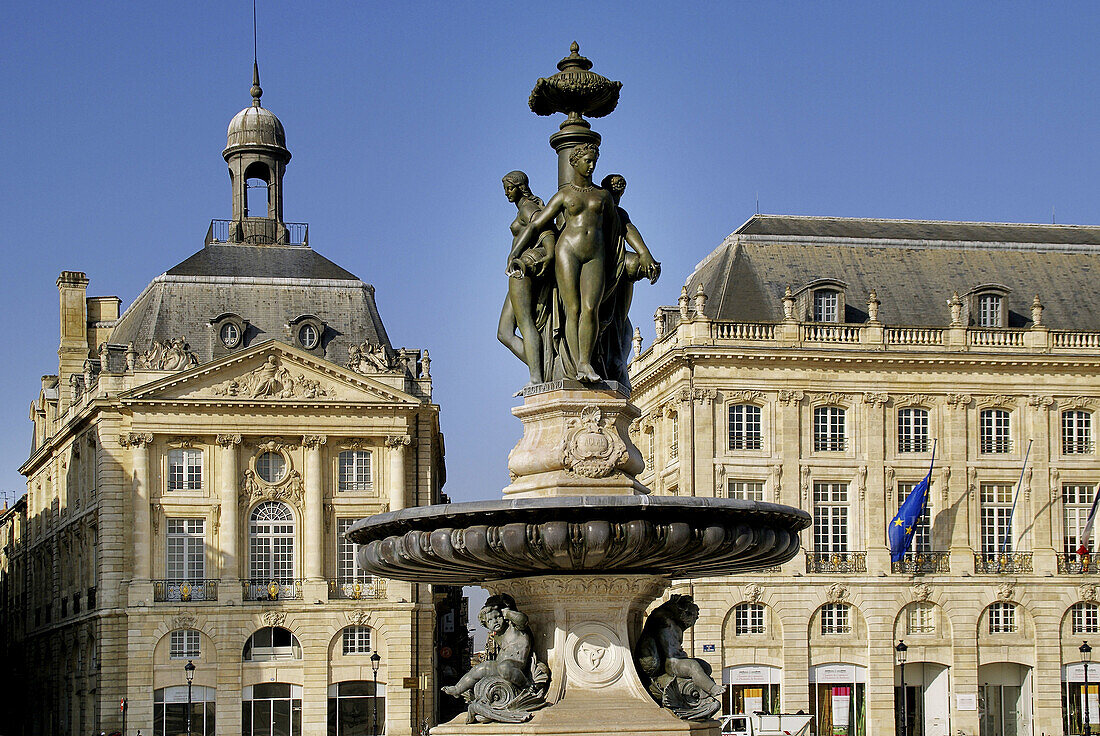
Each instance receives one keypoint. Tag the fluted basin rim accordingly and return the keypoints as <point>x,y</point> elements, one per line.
<point>467,543</point>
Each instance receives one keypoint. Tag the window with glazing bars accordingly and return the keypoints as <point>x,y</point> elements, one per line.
<point>271,544</point>
<point>913,430</point>
<point>347,566</point>
<point>996,505</point>
<point>1002,618</point>
<point>1086,618</point>
<point>355,472</point>
<point>745,427</point>
<point>989,310</point>
<point>186,548</point>
<point>185,470</point>
<point>357,640</point>
<point>674,446</point>
<point>830,517</point>
<point>922,535</point>
<point>829,429</point>
<point>750,490</point>
<point>993,431</point>
<point>749,618</point>
<point>1076,432</point>
<point>184,644</point>
<point>835,619</point>
<point>1076,502</point>
<point>826,305</point>
<point>921,618</point>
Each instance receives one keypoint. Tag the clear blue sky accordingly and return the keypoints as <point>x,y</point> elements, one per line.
<point>402,117</point>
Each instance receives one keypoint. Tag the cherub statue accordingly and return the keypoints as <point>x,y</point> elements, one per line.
<point>516,668</point>
<point>674,679</point>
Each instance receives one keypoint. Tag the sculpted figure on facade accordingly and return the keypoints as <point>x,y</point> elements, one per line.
<point>675,680</point>
<point>509,687</point>
<point>171,355</point>
<point>272,380</point>
<point>369,357</point>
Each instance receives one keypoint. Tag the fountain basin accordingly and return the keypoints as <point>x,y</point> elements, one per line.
<point>477,542</point>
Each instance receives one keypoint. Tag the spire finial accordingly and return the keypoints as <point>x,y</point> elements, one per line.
<point>257,91</point>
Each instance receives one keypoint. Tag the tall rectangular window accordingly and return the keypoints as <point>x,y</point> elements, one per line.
<point>922,535</point>
<point>185,470</point>
<point>913,430</point>
<point>921,618</point>
<point>1076,432</point>
<point>993,431</point>
<point>746,428</point>
<point>356,640</point>
<point>1086,618</point>
<point>355,474</point>
<point>749,619</point>
<point>674,446</point>
<point>749,490</point>
<point>835,619</point>
<point>829,429</point>
<point>184,644</point>
<point>830,517</point>
<point>989,310</point>
<point>826,305</point>
<point>347,566</point>
<point>996,505</point>
<point>1076,502</point>
<point>1002,618</point>
<point>186,547</point>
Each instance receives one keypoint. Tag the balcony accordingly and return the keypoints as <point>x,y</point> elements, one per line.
<point>922,563</point>
<point>836,562</point>
<point>995,446</point>
<point>185,591</point>
<point>1074,564</point>
<point>357,589</point>
<point>1002,563</point>
<point>272,590</point>
<point>256,231</point>
<point>830,443</point>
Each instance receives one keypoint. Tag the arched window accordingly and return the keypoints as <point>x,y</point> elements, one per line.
<point>830,431</point>
<point>271,545</point>
<point>993,431</point>
<point>745,427</point>
<point>1076,432</point>
<point>913,430</point>
<point>272,643</point>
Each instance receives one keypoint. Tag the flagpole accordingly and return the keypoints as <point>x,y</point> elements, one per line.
<point>1015,498</point>
<point>928,493</point>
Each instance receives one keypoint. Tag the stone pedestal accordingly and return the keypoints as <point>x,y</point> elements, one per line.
<point>583,627</point>
<point>576,442</point>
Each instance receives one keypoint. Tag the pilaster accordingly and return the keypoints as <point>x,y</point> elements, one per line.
<point>314,507</point>
<point>396,481</point>
<point>141,589</point>
<point>226,465</point>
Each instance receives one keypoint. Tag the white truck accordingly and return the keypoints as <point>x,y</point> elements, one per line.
<point>765,724</point>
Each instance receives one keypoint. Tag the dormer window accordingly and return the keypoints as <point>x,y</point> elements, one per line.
<point>826,305</point>
<point>306,332</point>
<point>229,332</point>
<point>230,335</point>
<point>308,337</point>
<point>989,310</point>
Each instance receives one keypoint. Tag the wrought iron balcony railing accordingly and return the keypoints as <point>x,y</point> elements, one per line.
<point>1074,564</point>
<point>1002,563</point>
<point>922,563</point>
<point>280,589</point>
<point>256,231</point>
<point>185,591</point>
<point>836,562</point>
<point>830,443</point>
<point>357,589</point>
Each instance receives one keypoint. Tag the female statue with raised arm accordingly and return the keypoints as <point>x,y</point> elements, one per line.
<point>526,268</point>
<point>580,254</point>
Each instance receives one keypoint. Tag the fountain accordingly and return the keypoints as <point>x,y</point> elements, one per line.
<point>577,550</point>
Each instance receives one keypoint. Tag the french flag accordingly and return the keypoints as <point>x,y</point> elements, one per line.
<point>1086,533</point>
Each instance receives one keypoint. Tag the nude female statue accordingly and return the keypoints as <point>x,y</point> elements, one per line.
<point>525,266</point>
<point>580,254</point>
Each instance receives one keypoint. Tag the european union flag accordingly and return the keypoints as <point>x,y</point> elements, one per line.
<point>902,526</point>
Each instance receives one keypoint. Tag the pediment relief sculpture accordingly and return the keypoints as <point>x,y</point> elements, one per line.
<point>171,355</point>
<point>273,380</point>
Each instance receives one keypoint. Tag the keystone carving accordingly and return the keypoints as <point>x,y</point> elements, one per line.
<point>358,617</point>
<point>1087,591</point>
<point>590,449</point>
<point>752,592</point>
<point>273,381</point>
<point>831,399</point>
<point>744,397</point>
<point>135,439</point>
<point>924,400</point>
<point>1076,402</point>
<point>252,490</point>
<point>922,591</point>
<point>273,618</point>
<point>1006,591</point>
<point>184,622</point>
<point>837,592</point>
<point>997,400</point>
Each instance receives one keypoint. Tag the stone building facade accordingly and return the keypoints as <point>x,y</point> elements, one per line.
<point>816,362</point>
<point>195,461</point>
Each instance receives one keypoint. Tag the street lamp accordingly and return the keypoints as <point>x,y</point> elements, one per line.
<point>899,655</point>
<point>375,660</point>
<point>1086,655</point>
<point>189,668</point>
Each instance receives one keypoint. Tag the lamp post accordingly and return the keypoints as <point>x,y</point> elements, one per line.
<point>375,660</point>
<point>899,655</point>
<point>189,668</point>
<point>1086,655</point>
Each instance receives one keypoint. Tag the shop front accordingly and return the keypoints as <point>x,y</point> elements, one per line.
<point>750,689</point>
<point>1073,698</point>
<point>838,699</point>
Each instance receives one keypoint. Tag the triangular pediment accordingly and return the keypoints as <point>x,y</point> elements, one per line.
<point>271,372</point>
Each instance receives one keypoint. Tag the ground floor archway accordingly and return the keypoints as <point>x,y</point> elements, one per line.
<point>1073,698</point>
<point>1004,699</point>
<point>750,688</point>
<point>924,699</point>
<point>838,699</point>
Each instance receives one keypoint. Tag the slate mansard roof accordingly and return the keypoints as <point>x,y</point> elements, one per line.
<point>914,266</point>
<point>269,286</point>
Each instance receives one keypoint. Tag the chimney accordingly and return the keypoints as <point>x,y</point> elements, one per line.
<point>72,287</point>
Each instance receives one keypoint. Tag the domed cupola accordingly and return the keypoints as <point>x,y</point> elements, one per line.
<point>256,150</point>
